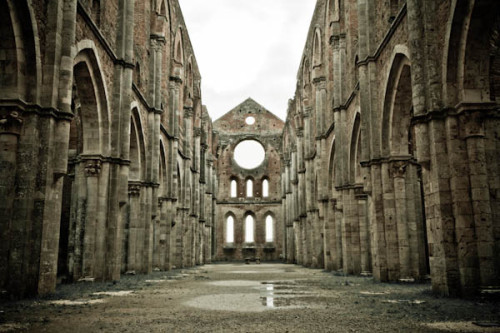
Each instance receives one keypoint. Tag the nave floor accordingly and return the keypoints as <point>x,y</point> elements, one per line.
<point>248,298</point>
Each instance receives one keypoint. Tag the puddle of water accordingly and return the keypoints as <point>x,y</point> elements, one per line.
<point>228,302</point>
<point>114,293</point>
<point>262,296</point>
<point>263,271</point>
<point>235,283</point>
<point>77,302</point>
<point>372,293</point>
<point>399,301</point>
<point>268,298</point>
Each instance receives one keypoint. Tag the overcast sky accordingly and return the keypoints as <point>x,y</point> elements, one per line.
<point>248,48</point>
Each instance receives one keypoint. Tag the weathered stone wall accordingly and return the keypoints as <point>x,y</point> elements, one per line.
<point>407,145</point>
<point>106,163</point>
<point>232,129</point>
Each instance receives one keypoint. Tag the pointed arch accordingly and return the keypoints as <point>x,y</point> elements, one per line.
<point>355,150</point>
<point>91,109</point>
<point>20,66</point>
<point>233,187</point>
<point>249,228</point>
<point>137,147</point>
<point>229,227</point>
<point>249,187</point>
<point>189,73</point>
<point>91,90</point>
<point>317,48</point>
<point>331,168</point>
<point>265,187</point>
<point>471,51</point>
<point>162,190</point>
<point>179,48</point>
<point>269,227</point>
<point>397,109</point>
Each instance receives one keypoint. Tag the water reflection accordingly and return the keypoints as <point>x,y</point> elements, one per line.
<point>268,298</point>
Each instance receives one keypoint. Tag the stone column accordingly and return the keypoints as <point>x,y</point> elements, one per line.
<point>120,138</point>
<point>92,172</point>
<point>135,230</point>
<point>10,129</point>
<point>472,128</point>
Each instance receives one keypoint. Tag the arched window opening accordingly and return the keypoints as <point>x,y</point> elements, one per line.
<point>249,188</point>
<point>230,229</point>
<point>178,54</point>
<point>269,229</point>
<point>265,188</point>
<point>317,49</point>
<point>234,188</point>
<point>249,226</point>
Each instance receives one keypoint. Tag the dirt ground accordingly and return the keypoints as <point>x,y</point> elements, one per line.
<point>248,298</point>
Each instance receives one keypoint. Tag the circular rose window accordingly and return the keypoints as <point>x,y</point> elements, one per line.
<point>250,120</point>
<point>249,154</point>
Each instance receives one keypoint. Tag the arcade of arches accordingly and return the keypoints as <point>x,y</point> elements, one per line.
<point>387,163</point>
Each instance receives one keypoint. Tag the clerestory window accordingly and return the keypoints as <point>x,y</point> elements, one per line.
<point>234,189</point>
<point>229,229</point>
<point>269,229</point>
<point>265,188</point>
<point>249,229</point>
<point>249,188</point>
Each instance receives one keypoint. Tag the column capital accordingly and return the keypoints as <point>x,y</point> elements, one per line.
<point>188,112</point>
<point>11,121</point>
<point>134,189</point>
<point>92,167</point>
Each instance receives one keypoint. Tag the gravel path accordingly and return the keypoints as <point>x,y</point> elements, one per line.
<point>248,298</point>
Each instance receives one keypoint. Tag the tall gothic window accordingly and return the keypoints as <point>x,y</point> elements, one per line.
<point>230,229</point>
<point>234,188</point>
<point>249,188</point>
<point>249,226</point>
<point>269,229</point>
<point>265,188</point>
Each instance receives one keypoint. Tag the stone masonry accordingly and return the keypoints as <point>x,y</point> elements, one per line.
<point>232,129</point>
<point>387,163</point>
<point>391,144</point>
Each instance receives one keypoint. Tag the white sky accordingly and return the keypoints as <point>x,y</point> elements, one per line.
<point>247,48</point>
